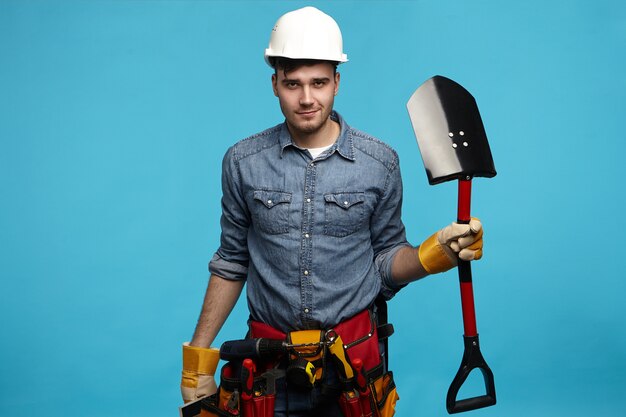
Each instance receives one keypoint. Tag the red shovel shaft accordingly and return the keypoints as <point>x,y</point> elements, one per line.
<point>465,271</point>
<point>472,357</point>
<point>465,201</point>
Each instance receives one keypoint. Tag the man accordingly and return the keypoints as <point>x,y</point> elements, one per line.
<point>311,221</point>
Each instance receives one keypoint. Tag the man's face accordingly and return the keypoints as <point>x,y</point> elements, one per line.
<point>306,95</point>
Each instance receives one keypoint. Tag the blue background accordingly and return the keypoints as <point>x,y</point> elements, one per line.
<point>114,116</point>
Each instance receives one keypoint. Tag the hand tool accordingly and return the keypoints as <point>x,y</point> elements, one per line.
<point>365,394</point>
<point>191,409</point>
<point>232,405</point>
<point>270,389</point>
<point>301,373</point>
<point>247,387</point>
<point>337,351</point>
<point>260,348</point>
<point>453,144</point>
<point>252,349</point>
<point>349,400</point>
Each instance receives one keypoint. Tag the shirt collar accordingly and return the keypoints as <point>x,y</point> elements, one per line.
<point>344,145</point>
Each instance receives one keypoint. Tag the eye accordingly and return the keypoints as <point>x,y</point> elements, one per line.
<point>291,85</point>
<point>319,84</point>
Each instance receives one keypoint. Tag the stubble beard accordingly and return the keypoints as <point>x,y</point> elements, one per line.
<point>308,127</point>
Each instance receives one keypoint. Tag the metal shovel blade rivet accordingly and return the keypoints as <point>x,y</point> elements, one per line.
<point>454,145</point>
<point>451,134</point>
<point>461,133</point>
<point>465,144</point>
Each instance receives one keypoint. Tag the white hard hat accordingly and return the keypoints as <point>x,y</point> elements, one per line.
<point>306,33</point>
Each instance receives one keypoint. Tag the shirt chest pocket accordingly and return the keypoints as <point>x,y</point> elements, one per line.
<point>344,213</point>
<point>270,211</point>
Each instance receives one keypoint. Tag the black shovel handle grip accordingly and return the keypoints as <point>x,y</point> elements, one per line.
<point>472,359</point>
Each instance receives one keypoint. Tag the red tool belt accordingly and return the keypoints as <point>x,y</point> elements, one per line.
<point>247,386</point>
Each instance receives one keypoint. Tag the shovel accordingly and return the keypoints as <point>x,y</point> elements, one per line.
<point>453,143</point>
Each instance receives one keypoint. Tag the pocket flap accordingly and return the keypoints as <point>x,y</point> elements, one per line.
<point>344,200</point>
<point>271,198</point>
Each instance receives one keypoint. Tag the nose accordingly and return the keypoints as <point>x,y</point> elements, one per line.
<point>306,99</point>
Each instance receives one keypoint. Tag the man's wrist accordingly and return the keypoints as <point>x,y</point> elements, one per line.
<point>433,256</point>
<point>200,359</point>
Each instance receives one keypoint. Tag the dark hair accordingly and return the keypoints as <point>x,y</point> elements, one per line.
<point>287,64</point>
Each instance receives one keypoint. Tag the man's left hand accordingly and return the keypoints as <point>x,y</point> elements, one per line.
<point>441,251</point>
<point>464,239</point>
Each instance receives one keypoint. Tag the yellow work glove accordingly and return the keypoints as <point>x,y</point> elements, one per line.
<point>199,365</point>
<point>441,251</point>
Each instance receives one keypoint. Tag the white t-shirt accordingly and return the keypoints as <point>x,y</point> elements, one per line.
<point>315,152</point>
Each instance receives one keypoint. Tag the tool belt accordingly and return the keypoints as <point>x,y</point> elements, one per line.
<point>366,389</point>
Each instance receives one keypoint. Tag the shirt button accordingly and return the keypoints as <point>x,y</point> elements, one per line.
<point>306,310</point>
<point>306,235</point>
<point>345,203</point>
<point>306,272</point>
<point>269,201</point>
<point>308,200</point>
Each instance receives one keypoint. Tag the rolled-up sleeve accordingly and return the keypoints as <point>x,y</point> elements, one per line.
<point>388,232</point>
<point>383,262</point>
<point>231,259</point>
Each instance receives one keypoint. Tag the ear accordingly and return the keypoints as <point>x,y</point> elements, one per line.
<point>274,84</point>
<point>337,79</point>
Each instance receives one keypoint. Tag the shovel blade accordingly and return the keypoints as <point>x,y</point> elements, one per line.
<point>449,131</point>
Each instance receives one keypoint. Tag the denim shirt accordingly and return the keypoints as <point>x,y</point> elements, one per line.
<point>314,238</point>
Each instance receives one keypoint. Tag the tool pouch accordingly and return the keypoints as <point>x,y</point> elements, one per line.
<point>377,400</point>
<point>305,361</point>
<point>228,401</point>
<point>210,408</point>
<point>350,405</point>
<point>360,339</point>
<point>360,336</point>
<point>384,394</point>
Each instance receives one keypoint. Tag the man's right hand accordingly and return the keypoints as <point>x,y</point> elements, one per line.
<point>199,365</point>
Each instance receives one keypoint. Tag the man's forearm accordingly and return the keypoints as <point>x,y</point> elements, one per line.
<point>439,253</point>
<point>406,266</point>
<point>219,300</point>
